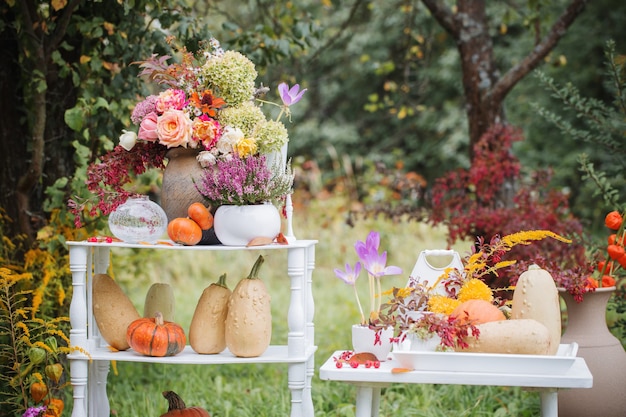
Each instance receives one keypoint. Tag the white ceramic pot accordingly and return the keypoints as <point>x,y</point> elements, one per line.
<point>238,225</point>
<point>365,339</point>
<point>410,342</point>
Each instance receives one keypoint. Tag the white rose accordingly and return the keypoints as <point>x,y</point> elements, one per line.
<point>128,139</point>
<point>228,140</point>
<point>206,159</point>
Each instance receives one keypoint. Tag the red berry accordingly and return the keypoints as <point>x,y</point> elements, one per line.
<point>354,364</point>
<point>376,364</point>
<point>339,364</point>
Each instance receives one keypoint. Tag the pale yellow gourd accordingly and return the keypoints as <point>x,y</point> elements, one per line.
<point>207,332</point>
<point>536,297</point>
<point>112,310</point>
<point>249,319</point>
<point>159,299</point>
<point>522,337</point>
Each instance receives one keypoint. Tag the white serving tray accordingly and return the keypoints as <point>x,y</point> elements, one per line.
<point>488,362</point>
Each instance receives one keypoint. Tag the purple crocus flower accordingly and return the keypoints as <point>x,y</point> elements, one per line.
<point>374,262</point>
<point>291,95</point>
<point>376,265</point>
<point>349,276</point>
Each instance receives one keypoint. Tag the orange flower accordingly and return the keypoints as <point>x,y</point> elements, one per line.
<point>615,251</point>
<point>591,283</point>
<point>613,220</point>
<point>612,240</point>
<point>601,266</point>
<point>207,103</point>
<point>608,281</point>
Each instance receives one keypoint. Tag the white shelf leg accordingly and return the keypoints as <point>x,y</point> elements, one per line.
<point>296,321</point>
<point>549,402</point>
<point>78,332</point>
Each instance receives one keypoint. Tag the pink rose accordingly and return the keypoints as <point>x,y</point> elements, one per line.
<point>173,128</point>
<point>148,128</point>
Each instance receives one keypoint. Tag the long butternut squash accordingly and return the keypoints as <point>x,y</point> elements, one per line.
<point>249,319</point>
<point>207,332</point>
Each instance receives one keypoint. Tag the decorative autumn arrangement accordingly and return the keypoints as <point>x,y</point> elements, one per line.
<point>177,407</point>
<point>463,312</point>
<point>248,324</point>
<point>156,337</point>
<point>209,103</point>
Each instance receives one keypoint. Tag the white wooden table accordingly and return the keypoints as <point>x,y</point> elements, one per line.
<point>369,381</point>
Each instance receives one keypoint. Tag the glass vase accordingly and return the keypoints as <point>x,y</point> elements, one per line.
<point>138,220</point>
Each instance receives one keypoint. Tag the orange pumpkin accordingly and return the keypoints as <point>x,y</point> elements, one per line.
<point>184,231</point>
<point>156,337</point>
<point>177,407</point>
<point>201,215</point>
<point>477,312</point>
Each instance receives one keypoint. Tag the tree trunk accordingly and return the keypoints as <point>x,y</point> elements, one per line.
<point>484,89</point>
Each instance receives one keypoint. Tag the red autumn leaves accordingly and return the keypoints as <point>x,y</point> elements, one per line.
<point>615,251</point>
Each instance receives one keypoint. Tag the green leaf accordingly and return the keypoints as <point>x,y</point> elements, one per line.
<point>74,118</point>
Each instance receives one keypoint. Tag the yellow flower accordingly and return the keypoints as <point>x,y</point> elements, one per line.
<point>475,289</point>
<point>527,237</point>
<point>246,147</point>
<point>442,304</point>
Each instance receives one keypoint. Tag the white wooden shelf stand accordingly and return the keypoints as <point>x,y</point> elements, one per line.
<point>89,366</point>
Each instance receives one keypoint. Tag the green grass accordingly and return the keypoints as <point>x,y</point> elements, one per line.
<point>261,390</point>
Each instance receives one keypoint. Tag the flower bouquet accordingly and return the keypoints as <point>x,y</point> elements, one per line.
<point>209,103</point>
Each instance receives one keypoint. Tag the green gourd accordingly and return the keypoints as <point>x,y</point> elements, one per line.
<point>159,298</point>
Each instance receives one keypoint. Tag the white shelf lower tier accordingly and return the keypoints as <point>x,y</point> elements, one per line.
<point>273,354</point>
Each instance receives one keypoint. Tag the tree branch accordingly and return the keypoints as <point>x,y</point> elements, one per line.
<point>61,27</point>
<point>506,83</point>
<point>443,15</point>
<point>342,29</point>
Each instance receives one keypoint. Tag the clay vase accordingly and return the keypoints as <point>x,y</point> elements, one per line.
<point>178,191</point>
<point>603,353</point>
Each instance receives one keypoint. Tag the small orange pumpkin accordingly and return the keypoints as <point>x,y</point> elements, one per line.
<point>184,231</point>
<point>477,312</point>
<point>201,215</point>
<point>177,407</point>
<point>156,337</point>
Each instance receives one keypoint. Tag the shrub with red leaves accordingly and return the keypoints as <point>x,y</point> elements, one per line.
<point>490,198</point>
